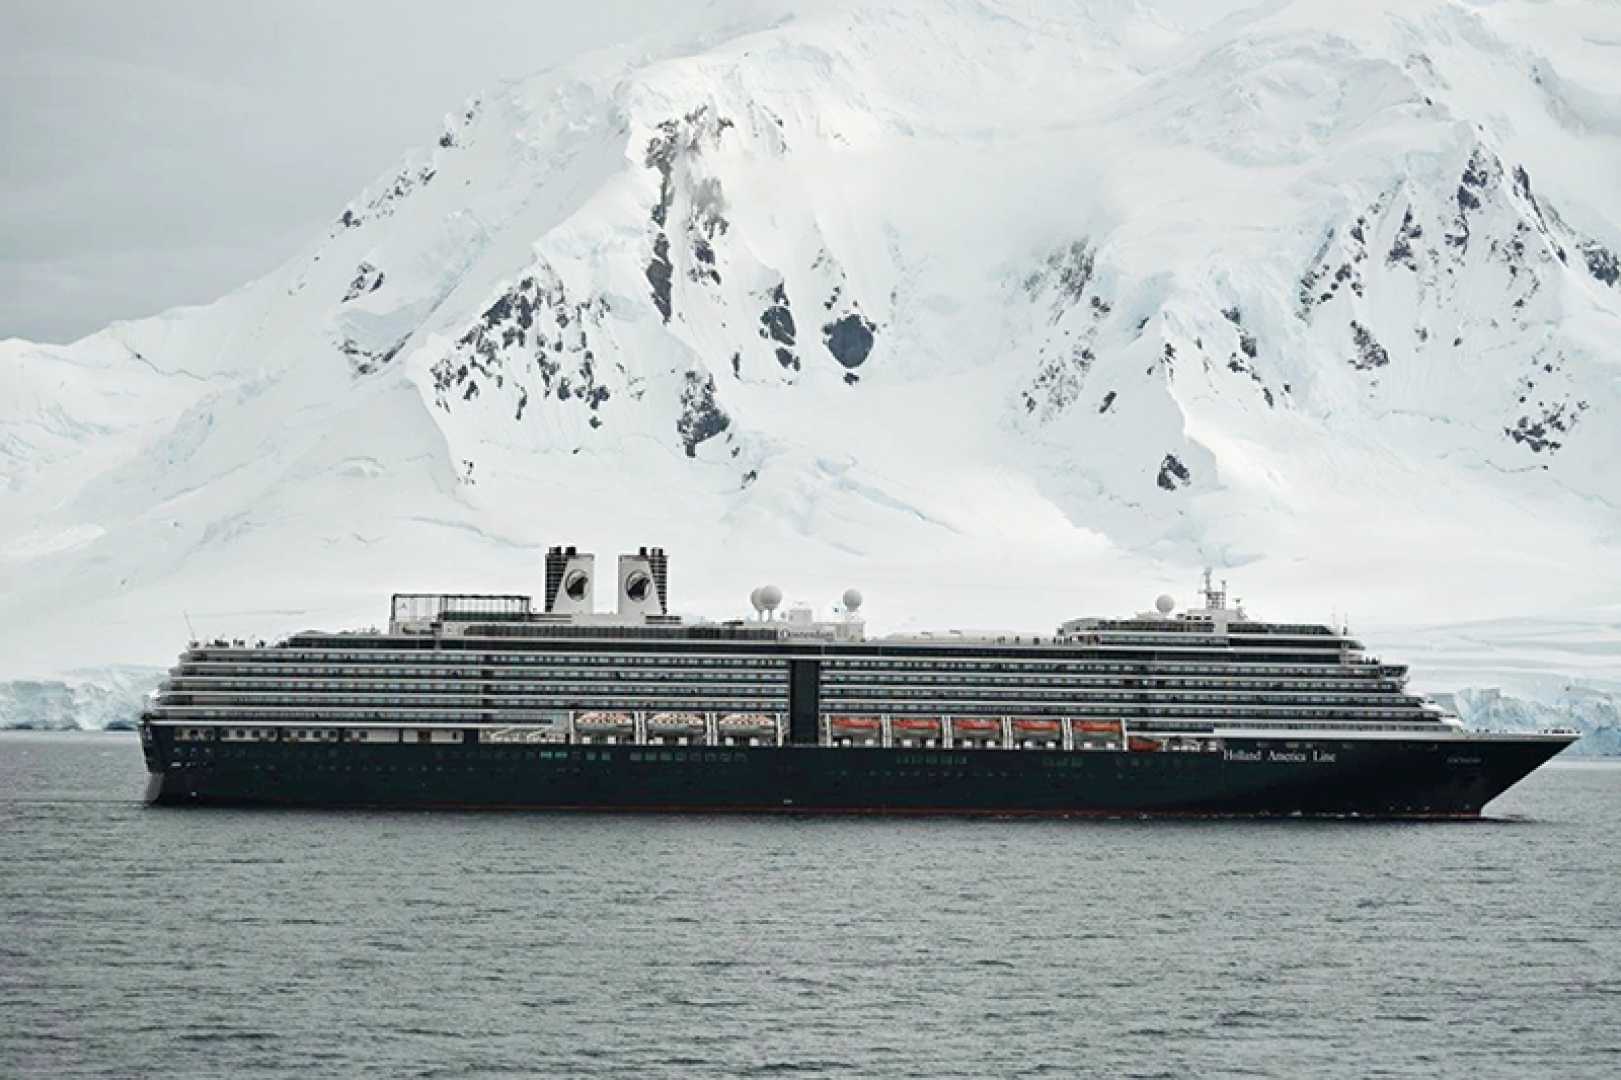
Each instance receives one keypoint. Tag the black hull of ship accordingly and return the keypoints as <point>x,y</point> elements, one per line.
<point>1384,778</point>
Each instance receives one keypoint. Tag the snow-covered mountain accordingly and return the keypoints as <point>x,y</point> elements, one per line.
<point>1003,312</point>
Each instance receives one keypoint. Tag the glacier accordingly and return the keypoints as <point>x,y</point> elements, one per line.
<point>86,699</point>
<point>1004,314</point>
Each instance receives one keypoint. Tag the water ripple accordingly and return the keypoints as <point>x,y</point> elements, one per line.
<point>378,944</point>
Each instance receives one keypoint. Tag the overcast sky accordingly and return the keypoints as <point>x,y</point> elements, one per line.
<point>162,152</point>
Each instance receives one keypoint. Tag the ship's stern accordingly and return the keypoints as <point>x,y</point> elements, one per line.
<point>152,751</point>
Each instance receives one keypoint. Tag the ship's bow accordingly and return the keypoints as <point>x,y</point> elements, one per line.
<point>1501,761</point>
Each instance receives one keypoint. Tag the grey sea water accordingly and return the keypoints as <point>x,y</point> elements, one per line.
<point>196,943</point>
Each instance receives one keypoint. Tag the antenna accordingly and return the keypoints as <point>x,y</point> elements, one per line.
<point>191,634</point>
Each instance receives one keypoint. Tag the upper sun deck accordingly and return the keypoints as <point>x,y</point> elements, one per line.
<point>506,621</point>
<point>1214,622</point>
<point>1190,628</point>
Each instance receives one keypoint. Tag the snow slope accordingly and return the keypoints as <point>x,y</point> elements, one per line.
<point>1004,312</point>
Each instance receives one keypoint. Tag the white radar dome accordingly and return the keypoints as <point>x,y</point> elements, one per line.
<point>770,597</point>
<point>754,598</point>
<point>852,599</point>
<point>1165,605</point>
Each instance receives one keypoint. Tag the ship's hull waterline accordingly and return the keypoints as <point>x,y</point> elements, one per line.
<point>1418,778</point>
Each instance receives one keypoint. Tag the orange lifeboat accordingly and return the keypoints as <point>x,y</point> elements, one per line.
<point>972,725</point>
<point>915,725</point>
<point>909,730</point>
<point>1036,727</point>
<point>1098,727</point>
<point>1139,745</point>
<point>854,723</point>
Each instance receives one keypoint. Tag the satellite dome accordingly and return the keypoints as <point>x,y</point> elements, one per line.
<point>754,598</point>
<point>852,599</point>
<point>770,597</point>
<point>1165,605</point>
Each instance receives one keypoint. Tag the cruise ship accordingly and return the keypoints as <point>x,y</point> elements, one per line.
<point>483,701</point>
